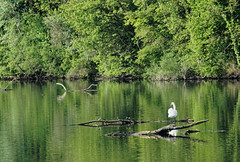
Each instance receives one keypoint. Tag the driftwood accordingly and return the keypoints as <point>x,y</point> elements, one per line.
<point>119,122</point>
<point>104,123</point>
<point>161,131</point>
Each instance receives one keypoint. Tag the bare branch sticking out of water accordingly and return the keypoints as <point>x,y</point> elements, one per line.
<point>6,88</point>
<point>86,90</point>
<point>81,90</point>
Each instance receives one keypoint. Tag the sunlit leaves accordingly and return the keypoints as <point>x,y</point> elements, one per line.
<point>119,38</point>
<point>101,33</point>
<point>206,43</point>
<point>25,40</point>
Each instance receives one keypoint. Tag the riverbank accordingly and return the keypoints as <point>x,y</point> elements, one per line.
<point>123,78</point>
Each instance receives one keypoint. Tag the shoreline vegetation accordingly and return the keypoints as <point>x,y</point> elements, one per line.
<point>126,40</point>
<point>128,78</point>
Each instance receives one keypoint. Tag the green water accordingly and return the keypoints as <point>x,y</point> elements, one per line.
<point>35,119</point>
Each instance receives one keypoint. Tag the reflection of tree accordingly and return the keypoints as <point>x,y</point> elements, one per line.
<point>174,138</point>
<point>119,100</point>
<point>233,137</point>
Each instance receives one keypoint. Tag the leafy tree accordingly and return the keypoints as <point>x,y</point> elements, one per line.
<point>101,38</point>
<point>161,36</point>
<point>207,44</point>
<point>230,14</point>
<point>25,40</point>
<point>157,39</point>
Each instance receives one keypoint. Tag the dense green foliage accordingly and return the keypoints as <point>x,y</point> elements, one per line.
<point>157,39</point>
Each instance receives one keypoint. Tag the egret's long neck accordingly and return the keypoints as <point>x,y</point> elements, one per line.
<point>62,86</point>
<point>174,106</point>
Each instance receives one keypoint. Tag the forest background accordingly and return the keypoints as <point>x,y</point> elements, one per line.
<point>154,39</point>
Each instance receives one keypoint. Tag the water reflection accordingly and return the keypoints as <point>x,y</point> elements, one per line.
<point>34,127</point>
<point>173,133</point>
<point>61,97</point>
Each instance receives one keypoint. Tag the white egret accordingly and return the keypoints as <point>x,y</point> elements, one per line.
<point>62,86</point>
<point>172,112</point>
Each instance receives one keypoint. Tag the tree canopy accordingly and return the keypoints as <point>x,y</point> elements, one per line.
<point>155,39</point>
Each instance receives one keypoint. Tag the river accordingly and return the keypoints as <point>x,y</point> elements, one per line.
<point>36,121</point>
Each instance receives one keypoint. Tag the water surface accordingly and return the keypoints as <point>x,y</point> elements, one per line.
<point>35,121</point>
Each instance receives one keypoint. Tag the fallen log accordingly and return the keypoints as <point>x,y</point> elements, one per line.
<point>170,127</point>
<point>161,131</point>
<point>103,122</point>
<point>117,122</point>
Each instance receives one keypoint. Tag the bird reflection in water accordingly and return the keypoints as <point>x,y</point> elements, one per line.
<point>173,133</point>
